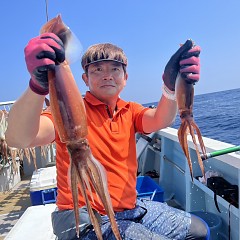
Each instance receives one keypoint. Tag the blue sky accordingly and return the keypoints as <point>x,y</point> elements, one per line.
<point>148,31</point>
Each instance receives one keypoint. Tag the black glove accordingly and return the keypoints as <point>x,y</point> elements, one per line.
<point>41,55</point>
<point>184,60</point>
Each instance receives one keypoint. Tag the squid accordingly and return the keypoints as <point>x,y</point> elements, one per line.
<point>185,97</point>
<point>69,115</point>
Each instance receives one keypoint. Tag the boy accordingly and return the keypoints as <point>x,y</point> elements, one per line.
<point>112,124</point>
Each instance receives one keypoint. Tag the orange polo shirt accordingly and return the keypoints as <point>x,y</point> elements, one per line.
<point>112,142</point>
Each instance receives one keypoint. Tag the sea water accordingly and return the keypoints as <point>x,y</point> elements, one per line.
<point>217,115</point>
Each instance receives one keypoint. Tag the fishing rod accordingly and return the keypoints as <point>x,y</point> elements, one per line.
<point>220,152</point>
<point>46,9</point>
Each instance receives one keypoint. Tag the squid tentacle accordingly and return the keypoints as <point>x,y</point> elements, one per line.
<point>203,148</point>
<point>200,162</point>
<point>182,135</point>
<point>102,192</point>
<point>93,219</point>
<point>196,147</point>
<point>86,175</point>
<point>184,141</point>
<point>186,149</point>
<point>74,190</point>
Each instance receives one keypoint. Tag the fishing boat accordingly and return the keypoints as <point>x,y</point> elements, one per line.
<point>161,159</point>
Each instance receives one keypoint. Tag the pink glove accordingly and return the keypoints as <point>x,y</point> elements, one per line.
<point>41,55</point>
<point>190,65</point>
<point>173,65</point>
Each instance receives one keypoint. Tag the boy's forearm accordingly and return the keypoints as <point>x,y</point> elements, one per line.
<point>23,119</point>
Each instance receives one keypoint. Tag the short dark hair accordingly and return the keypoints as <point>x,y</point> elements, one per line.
<point>103,52</point>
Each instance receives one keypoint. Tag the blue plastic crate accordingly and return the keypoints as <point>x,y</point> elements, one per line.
<point>43,186</point>
<point>43,196</point>
<point>148,189</point>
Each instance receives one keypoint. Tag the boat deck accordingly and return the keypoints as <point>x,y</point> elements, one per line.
<point>13,204</point>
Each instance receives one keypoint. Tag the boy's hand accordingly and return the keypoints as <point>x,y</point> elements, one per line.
<point>186,60</point>
<point>41,55</point>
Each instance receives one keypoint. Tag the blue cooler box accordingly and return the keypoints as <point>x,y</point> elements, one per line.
<point>43,186</point>
<point>148,189</point>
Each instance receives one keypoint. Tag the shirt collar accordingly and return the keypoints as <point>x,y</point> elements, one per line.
<point>94,101</point>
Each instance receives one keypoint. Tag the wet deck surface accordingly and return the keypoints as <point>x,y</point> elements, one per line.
<point>13,204</point>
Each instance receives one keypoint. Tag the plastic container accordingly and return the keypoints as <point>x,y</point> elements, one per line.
<point>148,189</point>
<point>214,222</point>
<point>43,186</point>
<point>35,223</point>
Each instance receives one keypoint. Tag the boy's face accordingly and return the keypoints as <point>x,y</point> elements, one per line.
<point>105,79</point>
